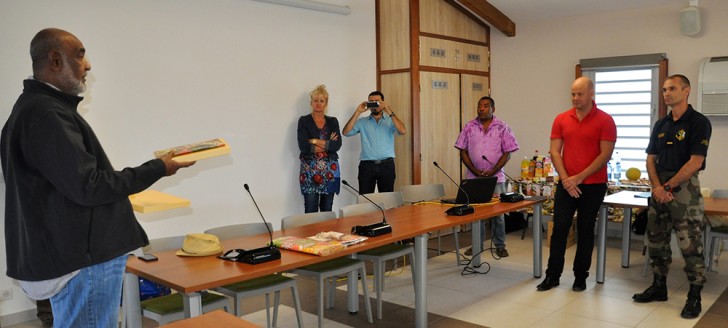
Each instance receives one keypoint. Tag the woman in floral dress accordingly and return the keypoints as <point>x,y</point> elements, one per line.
<point>319,140</point>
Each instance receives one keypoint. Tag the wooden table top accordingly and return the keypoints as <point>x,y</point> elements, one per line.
<point>191,274</point>
<point>214,319</point>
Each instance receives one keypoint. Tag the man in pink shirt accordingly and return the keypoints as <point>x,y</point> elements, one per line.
<point>485,145</point>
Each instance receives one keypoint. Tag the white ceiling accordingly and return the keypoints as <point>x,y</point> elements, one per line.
<point>527,11</point>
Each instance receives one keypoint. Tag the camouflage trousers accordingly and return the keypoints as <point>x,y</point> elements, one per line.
<point>685,216</point>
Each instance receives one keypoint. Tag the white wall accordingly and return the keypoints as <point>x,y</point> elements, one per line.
<point>171,72</point>
<point>532,72</point>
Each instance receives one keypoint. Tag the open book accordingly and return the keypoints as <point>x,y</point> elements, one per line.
<point>322,244</point>
<point>196,151</point>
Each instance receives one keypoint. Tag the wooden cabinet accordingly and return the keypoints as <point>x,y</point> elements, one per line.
<point>433,63</point>
<point>451,54</point>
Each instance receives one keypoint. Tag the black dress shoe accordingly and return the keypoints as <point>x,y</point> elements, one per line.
<point>579,285</point>
<point>548,283</point>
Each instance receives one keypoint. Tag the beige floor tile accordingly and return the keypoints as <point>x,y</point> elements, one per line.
<point>609,309</point>
<point>561,320</point>
<point>525,293</point>
<point>667,315</point>
<point>491,312</point>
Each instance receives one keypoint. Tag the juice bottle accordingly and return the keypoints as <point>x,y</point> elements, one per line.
<point>532,165</point>
<point>524,167</point>
<point>547,166</point>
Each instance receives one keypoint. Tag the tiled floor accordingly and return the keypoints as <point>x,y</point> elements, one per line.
<point>506,296</point>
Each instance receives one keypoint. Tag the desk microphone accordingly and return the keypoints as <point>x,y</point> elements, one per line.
<point>263,254</point>
<point>459,210</point>
<point>507,197</point>
<point>374,229</point>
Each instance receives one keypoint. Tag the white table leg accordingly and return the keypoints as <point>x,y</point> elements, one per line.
<point>420,281</point>
<point>537,252</point>
<point>626,236</point>
<point>352,292</point>
<point>193,304</point>
<point>132,316</point>
<point>601,243</point>
<point>477,242</point>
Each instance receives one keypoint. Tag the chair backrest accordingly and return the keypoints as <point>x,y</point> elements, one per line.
<point>422,192</point>
<point>356,209</point>
<point>239,230</point>
<point>164,244</point>
<point>390,199</point>
<point>304,219</point>
<point>720,193</point>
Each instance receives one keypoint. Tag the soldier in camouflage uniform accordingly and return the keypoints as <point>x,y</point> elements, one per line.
<point>676,153</point>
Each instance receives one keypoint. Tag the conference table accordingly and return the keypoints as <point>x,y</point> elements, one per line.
<point>629,200</point>
<point>190,275</point>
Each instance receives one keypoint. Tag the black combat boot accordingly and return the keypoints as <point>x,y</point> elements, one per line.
<point>692,305</point>
<point>656,292</point>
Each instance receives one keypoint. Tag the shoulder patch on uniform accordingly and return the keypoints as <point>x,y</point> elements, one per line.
<point>704,142</point>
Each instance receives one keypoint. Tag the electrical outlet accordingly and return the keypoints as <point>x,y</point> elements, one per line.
<point>6,294</point>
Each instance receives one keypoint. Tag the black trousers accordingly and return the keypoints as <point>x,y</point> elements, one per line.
<point>587,209</point>
<point>380,175</point>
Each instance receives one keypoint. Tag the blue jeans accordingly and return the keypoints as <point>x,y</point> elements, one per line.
<point>318,202</point>
<point>91,298</point>
<point>498,223</point>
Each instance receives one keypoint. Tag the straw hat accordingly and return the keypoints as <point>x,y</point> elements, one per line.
<point>200,244</point>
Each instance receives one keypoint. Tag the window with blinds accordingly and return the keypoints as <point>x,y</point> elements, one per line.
<point>627,95</point>
<point>628,88</point>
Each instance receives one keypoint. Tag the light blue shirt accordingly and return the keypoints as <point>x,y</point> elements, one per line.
<point>377,138</point>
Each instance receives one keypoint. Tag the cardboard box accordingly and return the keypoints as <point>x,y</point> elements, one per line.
<point>570,241</point>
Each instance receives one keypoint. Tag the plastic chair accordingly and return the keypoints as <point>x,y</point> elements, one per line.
<point>390,199</point>
<point>380,255</point>
<point>428,192</point>
<point>168,308</point>
<point>272,283</point>
<point>326,272</point>
<point>716,230</point>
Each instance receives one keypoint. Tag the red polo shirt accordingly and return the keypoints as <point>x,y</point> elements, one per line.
<point>582,139</point>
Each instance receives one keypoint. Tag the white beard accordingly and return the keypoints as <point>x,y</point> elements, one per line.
<point>69,83</point>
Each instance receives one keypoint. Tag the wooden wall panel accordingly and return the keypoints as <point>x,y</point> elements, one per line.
<point>440,126</point>
<point>394,51</point>
<point>396,89</point>
<point>439,17</point>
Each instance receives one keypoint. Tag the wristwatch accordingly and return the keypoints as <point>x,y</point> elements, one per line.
<point>667,187</point>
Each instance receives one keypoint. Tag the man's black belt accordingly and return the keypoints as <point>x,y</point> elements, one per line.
<point>379,161</point>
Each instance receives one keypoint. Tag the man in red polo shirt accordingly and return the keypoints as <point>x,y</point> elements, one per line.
<point>582,141</point>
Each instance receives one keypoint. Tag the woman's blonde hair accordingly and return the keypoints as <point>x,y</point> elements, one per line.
<point>320,90</point>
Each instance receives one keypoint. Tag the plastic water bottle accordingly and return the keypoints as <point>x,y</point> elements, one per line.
<point>617,167</point>
<point>610,170</point>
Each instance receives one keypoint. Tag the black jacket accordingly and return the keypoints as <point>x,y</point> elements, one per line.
<point>66,207</point>
<point>307,129</point>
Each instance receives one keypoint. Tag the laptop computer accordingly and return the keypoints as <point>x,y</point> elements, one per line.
<point>480,190</point>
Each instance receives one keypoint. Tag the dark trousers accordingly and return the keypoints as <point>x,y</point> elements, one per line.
<point>318,202</point>
<point>587,208</point>
<point>45,312</point>
<point>380,175</point>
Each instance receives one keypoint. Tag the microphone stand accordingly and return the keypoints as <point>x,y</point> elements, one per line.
<point>262,254</point>
<point>374,229</point>
<point>459,210</point>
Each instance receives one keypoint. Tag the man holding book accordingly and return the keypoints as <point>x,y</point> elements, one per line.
<point>68,220</point>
